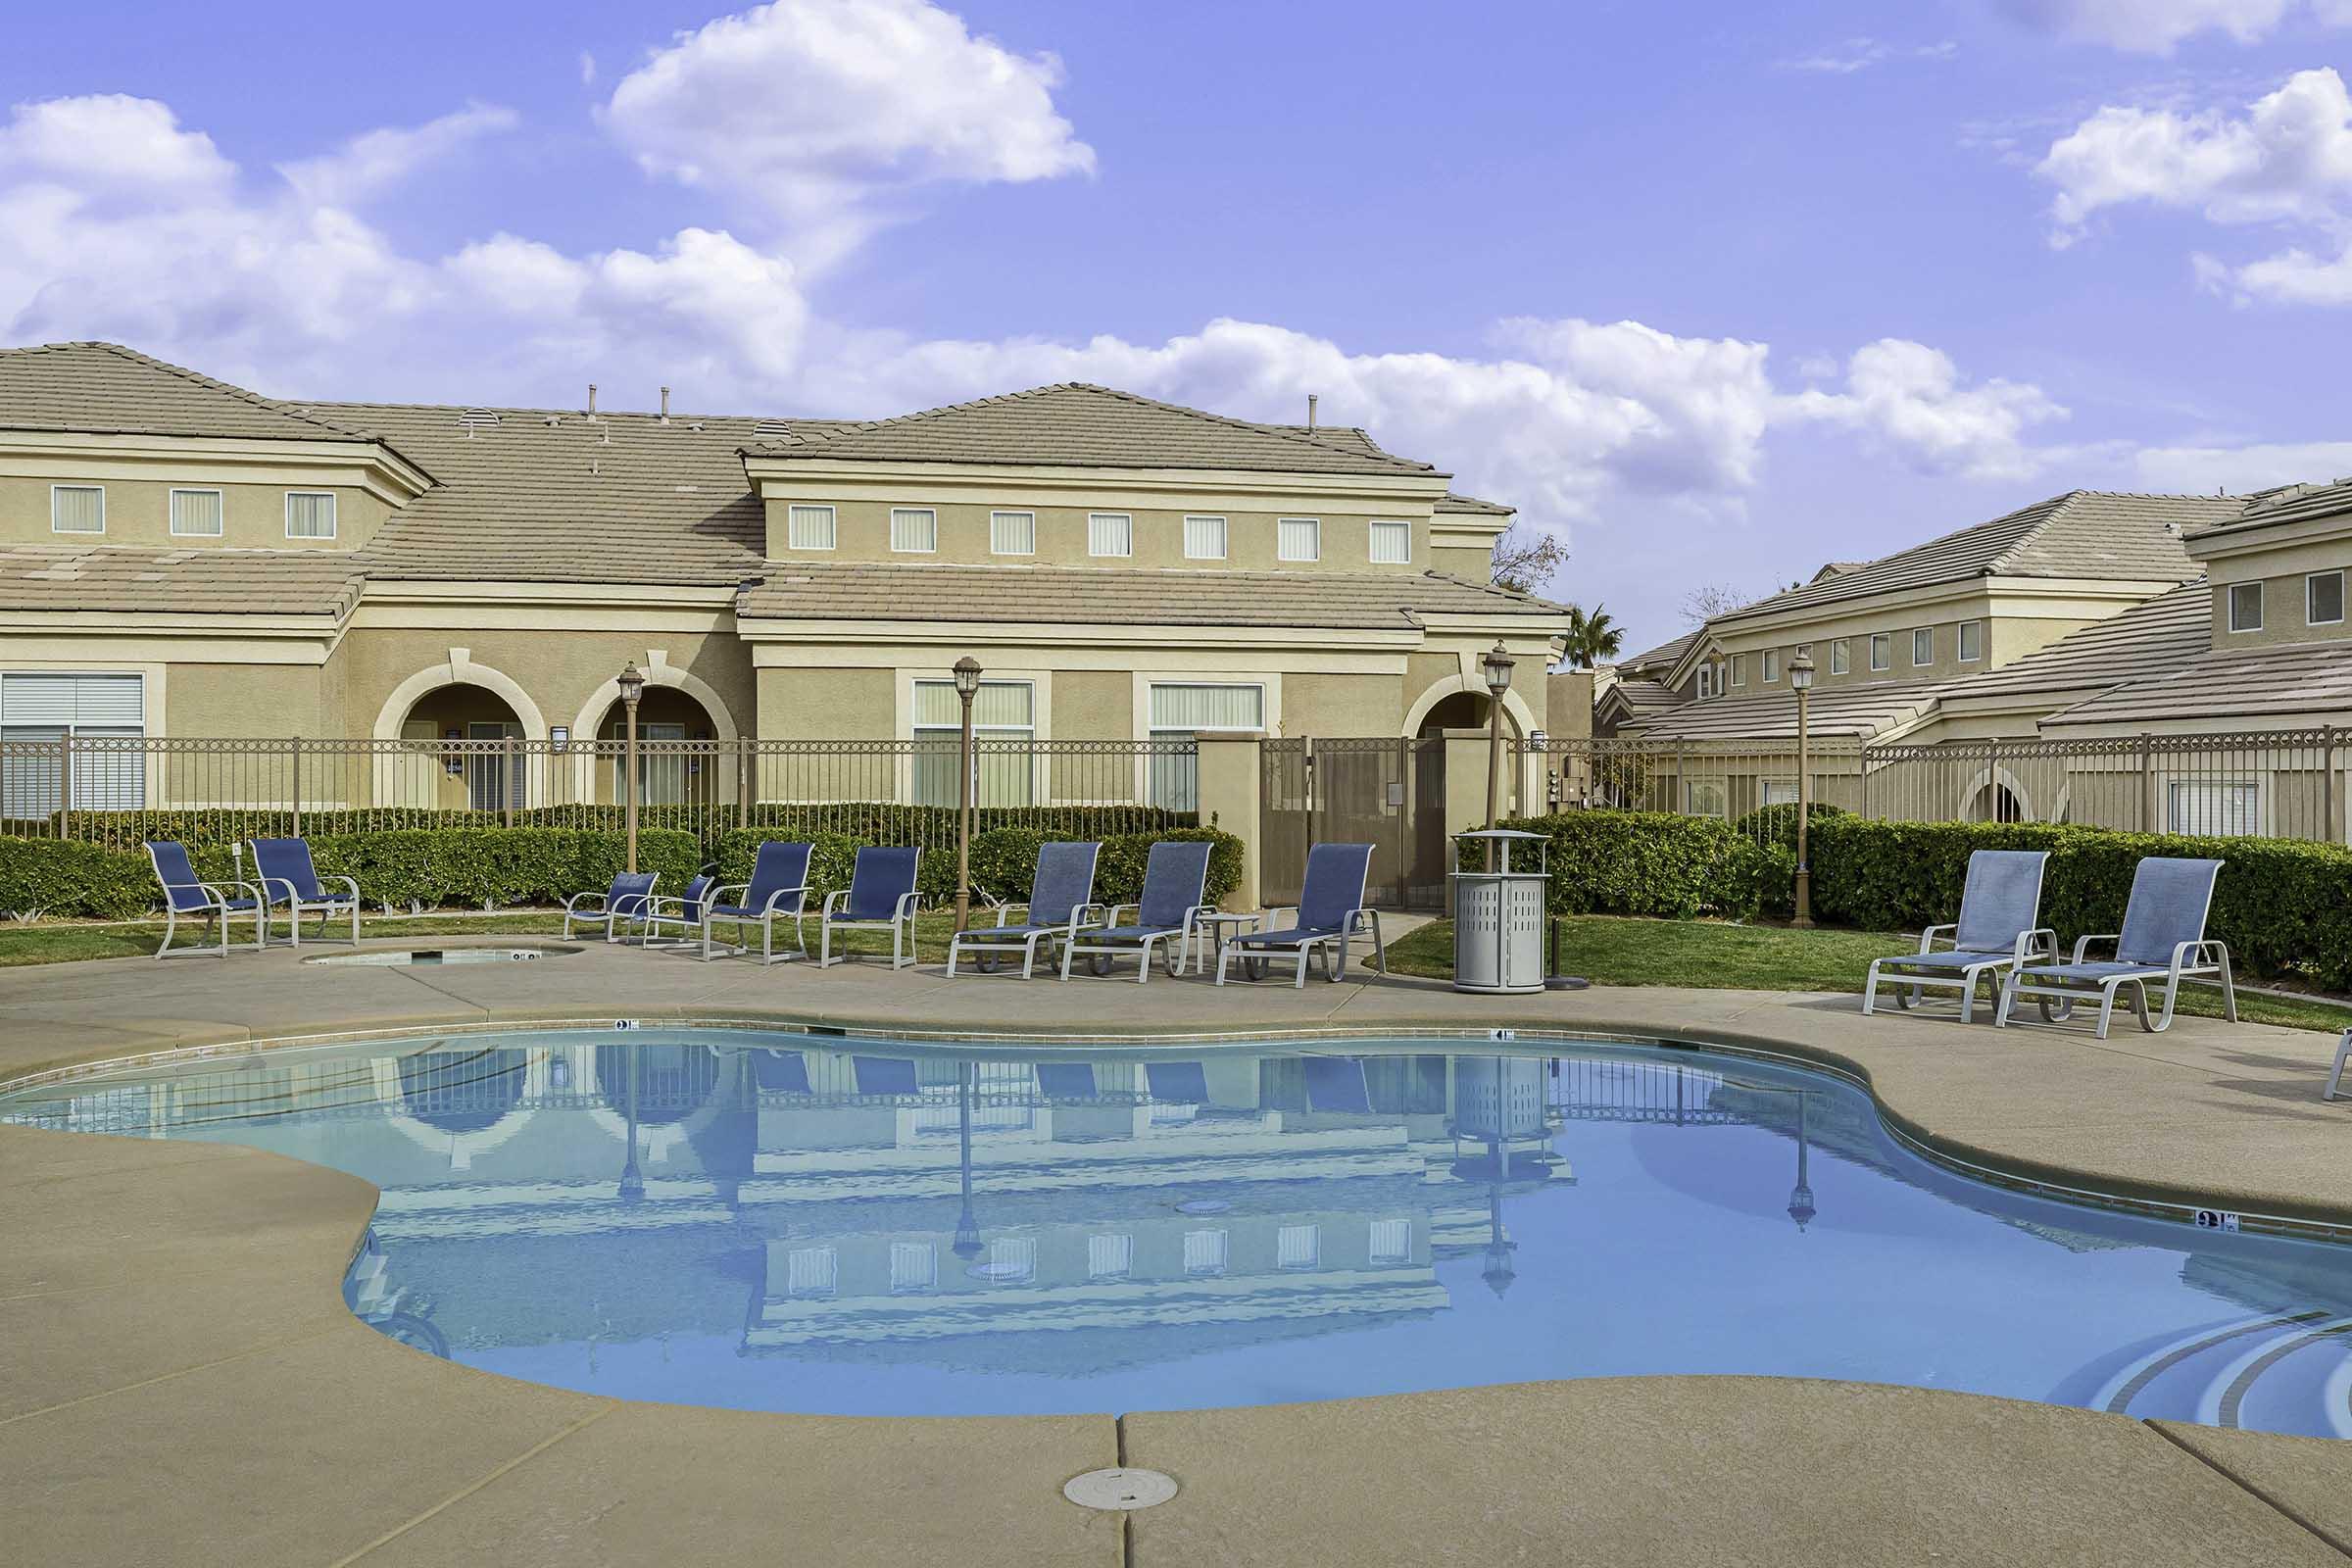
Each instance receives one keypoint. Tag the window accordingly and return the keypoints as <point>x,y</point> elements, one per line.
<point>1739,670</point>
<point>1972,641</point>
<point>310,514</point>
<point>1298,1247</point>
<point>1772,665</point>
<point>1109,533</point>
<point>913,1266</point>
<point>1002,710</point>
<point>808,528</point>
<point>811,1271</point>
<point>1013,533</point>
<point>1204,538</point>
<point>1110,1257</point>
<point>1841,656</point>
<point>77,509</point>
<point>914,530</point>
<point>1882,650</point>
<point>1706,796</point>
<point>2324,599</point>
<point>1204,1251</point>
<point>2215,806</point>
<point>1012,1260</point>
<point>1922,646</point>
<point>1392,1241</point>
<point>48,707</point>
<point>1706,680</point>
<point>2246,606</point>
<point>1178,710</point>
<point>196,513</point>
<point>1392,543</point>
<point>1780,792</point>
<point>1298,539</point>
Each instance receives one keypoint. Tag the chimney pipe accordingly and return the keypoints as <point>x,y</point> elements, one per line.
<point>592,400</point>
<point>1310,411</point>
<point>665,405</point>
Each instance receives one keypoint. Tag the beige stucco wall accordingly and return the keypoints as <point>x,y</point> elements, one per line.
<point>1470,565</point>
<point>801,704</point>
<point>560,669</point>
<point>1094,704</point>
<point>139,514</point>
<point>248,700</point>
<point>2283,604</point>
<point>2007,635</point>
<point>1342,705</point>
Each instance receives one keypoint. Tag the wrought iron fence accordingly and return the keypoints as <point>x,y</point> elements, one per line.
<point>1731,781</point>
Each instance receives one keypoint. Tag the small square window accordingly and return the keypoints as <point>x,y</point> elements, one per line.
<point>1109,533</point>
<point>1922,646</point>
<point>914,531</point>
<point>2246,606</point>
<point>2324,599</point>
<point>1298,539</point>
<point>77,509</point>
<point>1972,641</point>
<point>310,514</point>
<point>1882,649</point>
<point>1013,533</point>
<point>1772,666</point>
<point>1841,656</point>
<point>1392,543</point>
<point>1204,538</point>
<point>808,528</point>
<point>1739,670</point>
<point>196,513</point>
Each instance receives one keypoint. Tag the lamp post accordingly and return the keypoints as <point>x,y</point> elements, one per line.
<point>633,688</point>
<point>967,687</point>
<point>1800,676</point>
<point>967,1244</point>
<point>1498,680</point>
<point>1800,1197</point>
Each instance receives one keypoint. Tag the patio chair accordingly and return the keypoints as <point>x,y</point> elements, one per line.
<point>622,906</point>
<point>779,887</point>
<point>185,895</point>
<point>2336,1079</point>
<point>689,911</point>
<point>283,871</point>
<point>880,897</point>
<point>1061,895</point>
<point>1329,913</point>
<point>1996,932</point>
<point>2163,938</point>
<point>1175,894</point>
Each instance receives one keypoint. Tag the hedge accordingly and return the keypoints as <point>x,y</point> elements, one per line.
<point>2284,906</point>
<point>1002,860</point>
<point>1648,863</point>
<point>452,867</point>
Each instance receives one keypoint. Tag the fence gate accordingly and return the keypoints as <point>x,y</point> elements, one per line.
<point>1386,792</point>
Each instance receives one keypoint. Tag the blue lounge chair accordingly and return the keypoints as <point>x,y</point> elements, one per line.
<point>282,868</point>
<point>1061,895</point>
<point>779,887</point>
<point>880,897</point>
<point>2163,938</point>
<point>185,895</point>
<point>1175,896</point>
<point>1996,932</point>
<point>620,907</point>
<point>688,912</point>
<point>1331,911</point>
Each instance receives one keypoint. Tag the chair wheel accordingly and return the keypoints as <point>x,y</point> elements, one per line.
<point>1100,964</point>
<point>987,962</point>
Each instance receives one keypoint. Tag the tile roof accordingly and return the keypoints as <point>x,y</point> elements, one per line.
<point>2082,533</point>
<point>1081,595</point>
<point>1642,700</point>
<point>106,389</point>
<point>2260,688</point>
<point>2294,503</point>
<point>1855,709</point>
<point>1456,502</point>
<point>2156,633</point>
<point>1079,424</point>
<point>1663,656</point>
<point>117,580</point>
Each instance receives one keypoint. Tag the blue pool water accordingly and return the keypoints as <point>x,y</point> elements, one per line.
<point>783,1222</point>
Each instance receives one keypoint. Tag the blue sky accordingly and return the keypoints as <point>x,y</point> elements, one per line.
<point>1716,291</point>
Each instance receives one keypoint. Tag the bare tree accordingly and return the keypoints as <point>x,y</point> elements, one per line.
<point>1708,600</point>
<point>1525,559</point>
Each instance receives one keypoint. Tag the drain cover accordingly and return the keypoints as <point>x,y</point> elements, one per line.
<point>1119,1488</point>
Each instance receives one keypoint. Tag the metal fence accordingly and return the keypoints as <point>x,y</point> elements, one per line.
<point>1728,780</point>
<point>123,789</point>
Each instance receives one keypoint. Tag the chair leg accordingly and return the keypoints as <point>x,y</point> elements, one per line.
<point>1380,946</point>
<point>1869,990</point>
<point>1299,980</point>
<point>2336,1079</point>
<point>1968,993</point>
<point>2228,988</point>
<point>1224,951</point>
<point>2106,1007</point>
<point>2008,999</point>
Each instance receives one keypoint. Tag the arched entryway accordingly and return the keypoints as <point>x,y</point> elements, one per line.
<point>670,771</point>
<point>461,725</point>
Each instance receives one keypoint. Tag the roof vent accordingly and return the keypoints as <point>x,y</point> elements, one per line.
<point>771,429</point>
<point>477,419</point>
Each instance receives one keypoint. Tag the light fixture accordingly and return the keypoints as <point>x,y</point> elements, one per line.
<point>967,676</point>
<point>1800,673</point>
<point>1499,670</point>
<point>632,683</point>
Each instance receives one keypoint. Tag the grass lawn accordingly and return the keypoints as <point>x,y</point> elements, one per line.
<point>1618,951</point>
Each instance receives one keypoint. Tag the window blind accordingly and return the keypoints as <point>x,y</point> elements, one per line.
<point>196,511</point>
<point>809,528</point>
<point>914,529</point>
<point>1392,543</point>
<point>77,509</point>
<point>310,514</point>
<point>1298,539</point>
<point>1204,538</point>
<point>1109,533</point>
<point>1013,533</point>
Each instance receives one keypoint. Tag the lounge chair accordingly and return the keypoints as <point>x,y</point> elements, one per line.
<point>283,871</point>
<point>779,887</point>
<point>2163,938</point>
<point>1175,894</point>
<point>1061,895</point>
<point>2336,1079</point>
<point>1331,911</point>
<point>688,912</point>
<point>185,895</point>
<point>880,897</point>
<point>1996,932</point>
<point>625,904</point>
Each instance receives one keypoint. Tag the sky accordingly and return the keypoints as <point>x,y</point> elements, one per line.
<point>1715,292</point>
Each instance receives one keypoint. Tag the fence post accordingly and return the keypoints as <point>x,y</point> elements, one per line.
<point>1862,762</point>
<point>744,784</point>
<point>2147,782</point>
<point>2333,825</point>
<point>506,783</point>
<point>294,789</point>
<point>1680,800</point>
<point>65,784</point>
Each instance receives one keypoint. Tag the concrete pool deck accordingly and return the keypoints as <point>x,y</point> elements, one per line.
<point>183,1385</point>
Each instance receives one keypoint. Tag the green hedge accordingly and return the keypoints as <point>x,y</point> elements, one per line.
<point>451,867</point>
<point>1649,862</point>
<point>1002,860</point>
<point>2284,906</point>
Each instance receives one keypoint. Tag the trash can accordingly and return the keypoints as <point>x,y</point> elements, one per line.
<point>1498,915</point>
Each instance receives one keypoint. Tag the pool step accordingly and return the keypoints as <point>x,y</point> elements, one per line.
<point>2267,1369</point>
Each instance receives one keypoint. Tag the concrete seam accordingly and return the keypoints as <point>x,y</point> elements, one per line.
<point>456,1497</point>
<point>167,1377</point>
<point>2250,1489</point>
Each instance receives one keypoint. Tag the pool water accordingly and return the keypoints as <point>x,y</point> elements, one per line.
<point>787,1222</point>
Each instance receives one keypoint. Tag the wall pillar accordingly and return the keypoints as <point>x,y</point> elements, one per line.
<point>1228,778</point>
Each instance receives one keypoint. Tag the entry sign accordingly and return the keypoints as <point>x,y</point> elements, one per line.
<point>2216,1219</point>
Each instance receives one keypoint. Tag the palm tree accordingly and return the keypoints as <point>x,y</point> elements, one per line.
<point>1593,638</point>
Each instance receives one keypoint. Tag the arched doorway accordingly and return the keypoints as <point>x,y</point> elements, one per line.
<point>1996,803</point>
<point>475,775</point>
<point>671,768</point>
<point>1464,710</point>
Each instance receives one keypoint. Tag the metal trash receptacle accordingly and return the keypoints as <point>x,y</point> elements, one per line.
<point>1498,915</point>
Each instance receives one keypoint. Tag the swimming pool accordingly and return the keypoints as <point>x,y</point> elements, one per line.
<point>784,1221</point>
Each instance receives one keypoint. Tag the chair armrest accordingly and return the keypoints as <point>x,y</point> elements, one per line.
<point>572,905</point>
<point>348,883</point>
<point>907,904</point>
<point>833,899</point>
<point>1110,914</point>
<point>1004,911</point>
<point>775,900</point>
<point>2027,947</point>
<point>2195,955</point>
<point>718,894</point>
<point>2083,944</point>
<point>1927,938</point>
<point>1265,916</point>
<point>270,882</point>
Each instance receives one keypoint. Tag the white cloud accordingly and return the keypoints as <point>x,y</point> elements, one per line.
<point>111,143</point>
<point>377,160</point>
<point>817,113</point>
<point>2155,27</point>
<point>1909,399</point>
<point>1851,55</point>
<point>587,68</point>
<point>2199,470</point>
